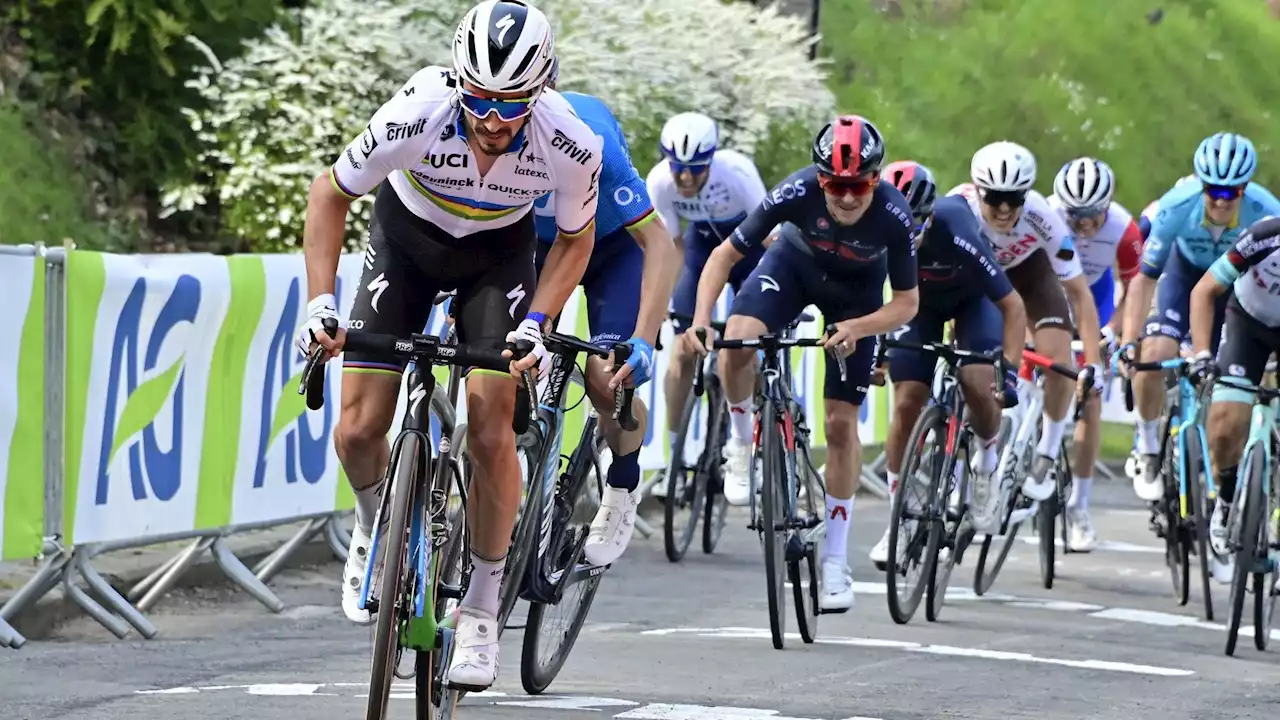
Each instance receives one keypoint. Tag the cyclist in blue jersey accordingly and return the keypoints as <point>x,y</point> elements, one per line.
<point>628,283</point>
<point>1195,224</point>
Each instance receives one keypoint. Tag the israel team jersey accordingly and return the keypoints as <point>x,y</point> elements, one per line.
<point>624,200</point>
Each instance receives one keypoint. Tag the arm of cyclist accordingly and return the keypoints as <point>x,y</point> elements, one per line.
<point>662,192</point>
<point>658,279</point>
<point>362,166</point>
<point>1141,290</point>
<point>1252,247</point>
<point>904,301</point>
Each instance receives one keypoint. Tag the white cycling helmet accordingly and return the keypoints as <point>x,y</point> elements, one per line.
<point>504,46</point>
<point>1004,167</point>
<point>1084,183</point>
<point>689,139</point>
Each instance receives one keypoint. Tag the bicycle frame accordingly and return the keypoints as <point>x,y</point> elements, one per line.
<point>1184,413</point>
<point>1262,429</point>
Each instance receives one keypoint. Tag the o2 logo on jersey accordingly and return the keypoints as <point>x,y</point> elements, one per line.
<point>282,414</point>
<point>625,196</point>
<point>133,405</point>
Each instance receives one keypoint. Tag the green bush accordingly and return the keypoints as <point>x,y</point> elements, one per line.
<point>1088,77</point>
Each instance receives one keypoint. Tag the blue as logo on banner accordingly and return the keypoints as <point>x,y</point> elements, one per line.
<point>305,452</point>
<point>142,402</point>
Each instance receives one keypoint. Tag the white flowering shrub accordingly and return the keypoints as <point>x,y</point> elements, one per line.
<point>284,110</point>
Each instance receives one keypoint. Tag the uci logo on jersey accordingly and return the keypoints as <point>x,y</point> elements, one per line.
<point>134,404</point>
<point>566,145</point>
<point>453,160</point>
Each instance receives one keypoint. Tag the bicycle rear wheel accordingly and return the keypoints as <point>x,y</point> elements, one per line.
<point>984,575</point>
<point>544,653</point>
<point>912,542</point>
<point>1198,518</point>
<point>773,515</point>
<point>1246,524</point>
<point>409,464</point>
<point>715,507</point>
<point>685,491</point>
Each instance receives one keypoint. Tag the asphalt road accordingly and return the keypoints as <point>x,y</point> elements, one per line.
<point>690,642</point>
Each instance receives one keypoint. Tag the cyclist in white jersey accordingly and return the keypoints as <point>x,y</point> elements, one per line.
<point>1106,239</point>
<point>1033,246</point>
<point>711,189</point>
<point>458,158</point>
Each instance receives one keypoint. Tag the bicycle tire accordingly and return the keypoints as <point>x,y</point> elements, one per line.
<point>1065,484</point>
<point>394,554</point>
<point>804,598</point>
<point>1244,534</point>
<point>982,580</point>
<point>922,539</point>
<point>1046,522</point>
<point>1264,597</point>
<point>1197,497</point>
<point>715,506</point>
<point>683,487</point>
<point>772,502</point>
<point>451,566</point>
<point>1176,549</point>
<point>948,531</point>
<point>536,676</point>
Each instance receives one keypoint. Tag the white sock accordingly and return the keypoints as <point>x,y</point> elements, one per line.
<point>990,456</point>
<point>1080,487</point>
<point>892,479</point>
<point>740,416</point>
<point>1051,437</point>
<point>367,501</point>
<point>484,592</point>
<point>836,545</point>
<point>1148,437</point>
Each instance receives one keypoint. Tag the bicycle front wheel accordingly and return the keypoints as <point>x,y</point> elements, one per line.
<point>1198,509</point>
<point>450,565</point>
<point>804,571</point>
<point>685,491</point>
<point>912,544</point>
<point>409,464</point>
<point>1247,526</point>
<point>715,506</point>
<point>948,527</point>
<point>773,518</point>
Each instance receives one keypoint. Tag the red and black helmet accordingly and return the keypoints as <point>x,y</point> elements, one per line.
<point>850,147</point>
<point>916,184</point>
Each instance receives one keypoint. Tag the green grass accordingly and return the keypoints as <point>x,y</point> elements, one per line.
<point>45,199</point>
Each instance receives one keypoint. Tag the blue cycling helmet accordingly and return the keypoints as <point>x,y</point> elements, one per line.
<point>1226,159</point>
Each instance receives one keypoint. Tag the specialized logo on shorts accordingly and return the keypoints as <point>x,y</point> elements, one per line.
<point>377,286</point>
<point>516,296</point>
<point>768,283</point>
<point>369,255</point>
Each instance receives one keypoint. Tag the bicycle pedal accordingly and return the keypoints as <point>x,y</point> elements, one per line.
<point>832,611</point>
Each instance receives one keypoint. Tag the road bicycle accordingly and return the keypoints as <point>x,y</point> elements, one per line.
<point>1253,526</point>
<point>934,535</point>
<point>414,582</point>
<point>1181,518</point>
<point>1016,459</point>
<point>788,517</point>
<point>556,519</point>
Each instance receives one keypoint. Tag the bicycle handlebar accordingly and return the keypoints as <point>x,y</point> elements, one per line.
<point>1177,364</point>
<point>419,348</point>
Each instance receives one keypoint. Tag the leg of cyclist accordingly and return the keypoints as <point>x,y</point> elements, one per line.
<point>981,326</point>
<point>394,297</point>
<point>1081,537</point>
<point>617,313</point>
<point>485,315</point>
<point>772,296</point>
<point>1048,312</point>
<point>911,374</point>
<point>678,381</point>
<point>1242,353</point>
<point>1161,336</point>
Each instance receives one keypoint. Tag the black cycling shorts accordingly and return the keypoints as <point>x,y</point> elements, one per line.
<point>1244,347</point>
<point>410,260</point>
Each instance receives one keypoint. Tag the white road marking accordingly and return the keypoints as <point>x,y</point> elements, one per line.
<point>1103,546</point>
<point>1087,664</point>
<point>663,711</point>
<point>278,689</point>
<point>554,702</point>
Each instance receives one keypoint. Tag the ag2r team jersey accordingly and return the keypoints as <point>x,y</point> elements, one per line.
<point>1252,266</point>
<point>624,199</point>
<point>733,189</point>
<point>1038,228</point>
<point>1181,221</point>
<point>417,140</point>
<point>956,264</point>
<point>1118,241</point>
<point>882,235</point>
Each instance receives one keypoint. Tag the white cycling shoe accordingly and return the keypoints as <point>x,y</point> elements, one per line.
<point>1081,537</point>
<point>836,587</point>
<point>353,577</point>
<point>880,553</point>
<point>737,472</point>
<point>1221,560</point>
<point>613,525</point>
<point>475,651</point>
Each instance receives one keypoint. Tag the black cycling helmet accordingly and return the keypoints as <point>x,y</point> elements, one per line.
<point>850,147</point>
<point>916,184</point>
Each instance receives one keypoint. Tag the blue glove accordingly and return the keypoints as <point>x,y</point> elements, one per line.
<point>1010,387</point>
<point>640,361</point>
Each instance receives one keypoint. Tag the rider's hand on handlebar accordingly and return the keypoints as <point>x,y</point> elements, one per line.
<point>842,337</point>
<point>1006,391</point>
<point>1201,364</point>
<point>698,339</point>
<point>529,330</point>
<point>1124,359</point>
<point>323,307</point>
<point>639,366</point>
